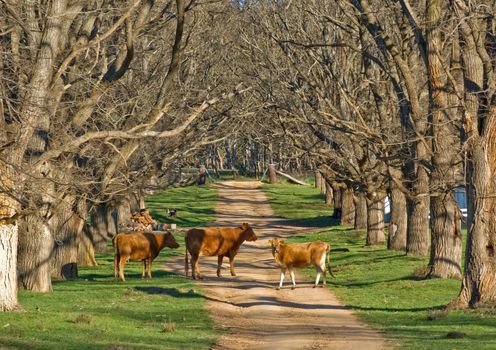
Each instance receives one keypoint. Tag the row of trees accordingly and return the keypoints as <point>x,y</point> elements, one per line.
<point>87,88</point>
<point>390,97</point>
<point>379,97</point>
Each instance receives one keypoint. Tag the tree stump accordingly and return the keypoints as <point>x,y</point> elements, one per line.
<point>272,174</point>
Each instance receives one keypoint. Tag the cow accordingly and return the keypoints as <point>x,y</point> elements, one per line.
<point>139,246</point>
<point>215,241</point>
<point>300,255</point>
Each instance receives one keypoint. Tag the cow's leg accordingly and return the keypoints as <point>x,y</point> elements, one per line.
<point>231,263</point>
<point>324,273</point>
<point>195,266</point>
<point>122,262</point>
<point>283,271</point>
<point>318,277</point>
<point>292,279</point>
<point>143,267</point>
<point>116,265</point>
<point>150,267</point>
<point>219,264</point>
<point>186,263</point>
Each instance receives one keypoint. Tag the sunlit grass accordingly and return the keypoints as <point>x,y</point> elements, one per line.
<point>194,204</point>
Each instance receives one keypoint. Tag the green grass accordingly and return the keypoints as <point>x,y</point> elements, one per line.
<point>194,204</point>
<point>301,205</point>
<point>96,312</point>
<point>381,287</point>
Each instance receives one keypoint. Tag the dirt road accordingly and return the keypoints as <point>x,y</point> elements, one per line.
<point>252,314</point>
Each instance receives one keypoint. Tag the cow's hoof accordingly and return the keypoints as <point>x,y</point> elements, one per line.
<point>314,286</point>
<point>293,288</point>
<point>278,288</point>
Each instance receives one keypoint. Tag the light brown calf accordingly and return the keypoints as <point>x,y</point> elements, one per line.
<point>139,246</point>
<point>300,255</point>
<point>215,241</point>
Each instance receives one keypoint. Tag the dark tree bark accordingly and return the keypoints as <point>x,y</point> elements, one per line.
<point>361,211</point>
<point>68,226</point>
<point>347,208</point>
<point>338,194</point>
<point>417,239</point>
<point>329,195</point>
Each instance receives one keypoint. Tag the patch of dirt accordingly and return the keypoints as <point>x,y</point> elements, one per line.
<point>249,310</point>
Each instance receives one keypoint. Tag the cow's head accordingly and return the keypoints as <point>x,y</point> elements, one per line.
<point>249,233</point>
<point>170,241</point>
<point>276,244</point>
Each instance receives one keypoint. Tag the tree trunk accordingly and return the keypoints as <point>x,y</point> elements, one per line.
<point>272,174</point>
<point>399,220</point>
<point>375,219</point>
<point>361,210</point>
<point>104,226</point>
<point>480,127</point>
<point>347,208</point>
<point>123,212</point>
<point>446,243</point>
<point>417,239</point>
<point>446,248</point>
<point>67,228</point>
<point>480,258</point>
<point>323,183</point>
<point>8,265</point>
<point>338,194</point>
<point>35,254</point>
<point>8,242</point>
<point>329,196</point>
<point>86,252</point>
<point>318,179</point>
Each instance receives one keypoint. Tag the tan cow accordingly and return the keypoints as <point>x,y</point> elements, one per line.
<point>139,246</point>
<point>300,255</point>
<point>215,241</point>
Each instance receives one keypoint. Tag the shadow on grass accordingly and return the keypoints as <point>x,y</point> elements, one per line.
<point>371,283</point>
<point>317,221</point>
<point>173,292</point>
<point>392,309</point>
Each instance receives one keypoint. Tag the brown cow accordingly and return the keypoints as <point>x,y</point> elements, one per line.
<point>299,255</point>
<point>215,241</point>
<point>139,246</point>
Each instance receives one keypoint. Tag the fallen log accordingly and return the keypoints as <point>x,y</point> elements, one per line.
<point>291,179</point>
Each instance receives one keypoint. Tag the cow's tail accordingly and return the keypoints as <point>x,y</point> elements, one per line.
<point>186,263</point>
<point>328,253</point>
<point>116,256</point>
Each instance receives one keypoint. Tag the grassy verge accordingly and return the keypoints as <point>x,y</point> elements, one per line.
<point>381,287</point>
<point>96,312</point>
<point>194,204</point>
